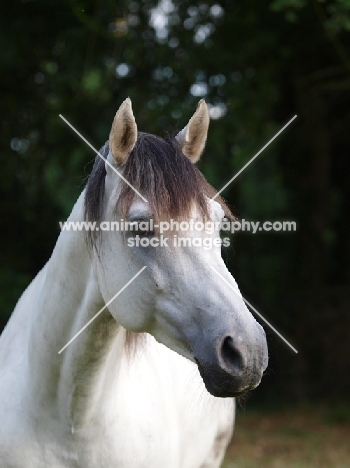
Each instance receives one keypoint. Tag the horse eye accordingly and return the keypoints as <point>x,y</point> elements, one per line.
<point>142,233</point>
<point>140,228</point>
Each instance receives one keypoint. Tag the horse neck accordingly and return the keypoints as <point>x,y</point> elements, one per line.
<point>68,297</point>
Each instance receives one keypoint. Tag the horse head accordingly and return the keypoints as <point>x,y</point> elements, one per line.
<point>186,298</point>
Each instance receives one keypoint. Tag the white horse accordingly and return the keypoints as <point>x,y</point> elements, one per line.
<point>110,400</point>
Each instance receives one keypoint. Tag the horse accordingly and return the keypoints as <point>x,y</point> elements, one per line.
<point>152,381</point>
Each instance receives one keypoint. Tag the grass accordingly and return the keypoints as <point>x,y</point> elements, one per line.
<point>302,437</point>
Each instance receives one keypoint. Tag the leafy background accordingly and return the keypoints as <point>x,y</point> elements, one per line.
<point>257,64</point>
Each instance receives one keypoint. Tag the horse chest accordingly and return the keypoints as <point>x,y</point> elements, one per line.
<point>160,416</point>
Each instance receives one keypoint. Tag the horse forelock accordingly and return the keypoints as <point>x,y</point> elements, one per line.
<point>158,169</point>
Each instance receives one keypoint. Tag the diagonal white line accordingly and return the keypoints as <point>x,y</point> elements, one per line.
<point>105,160</point>
<point>254,157</point>
<point>269,324</point>
<point>254,310</point>
<point>101,310</point>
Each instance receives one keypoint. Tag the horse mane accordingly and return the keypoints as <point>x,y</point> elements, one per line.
<point>157,169</point>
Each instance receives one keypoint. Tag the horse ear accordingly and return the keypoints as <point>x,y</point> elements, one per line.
<point>123,135</point>
<point>193,137</point>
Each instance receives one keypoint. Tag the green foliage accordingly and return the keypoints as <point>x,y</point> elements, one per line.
<point>289,7</point>
<point>334,15</point>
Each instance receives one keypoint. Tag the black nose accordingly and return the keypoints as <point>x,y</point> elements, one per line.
<point>231,358</point>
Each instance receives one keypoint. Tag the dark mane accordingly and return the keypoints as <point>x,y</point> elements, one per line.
<point>95,187</point>
<point>158,169</point>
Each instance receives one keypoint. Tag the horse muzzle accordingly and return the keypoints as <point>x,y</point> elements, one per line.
<point>232,368</point>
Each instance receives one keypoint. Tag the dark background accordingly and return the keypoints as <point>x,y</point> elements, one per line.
<point>257,64</point>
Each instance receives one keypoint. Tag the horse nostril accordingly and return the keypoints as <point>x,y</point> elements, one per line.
<point>231,357</point>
